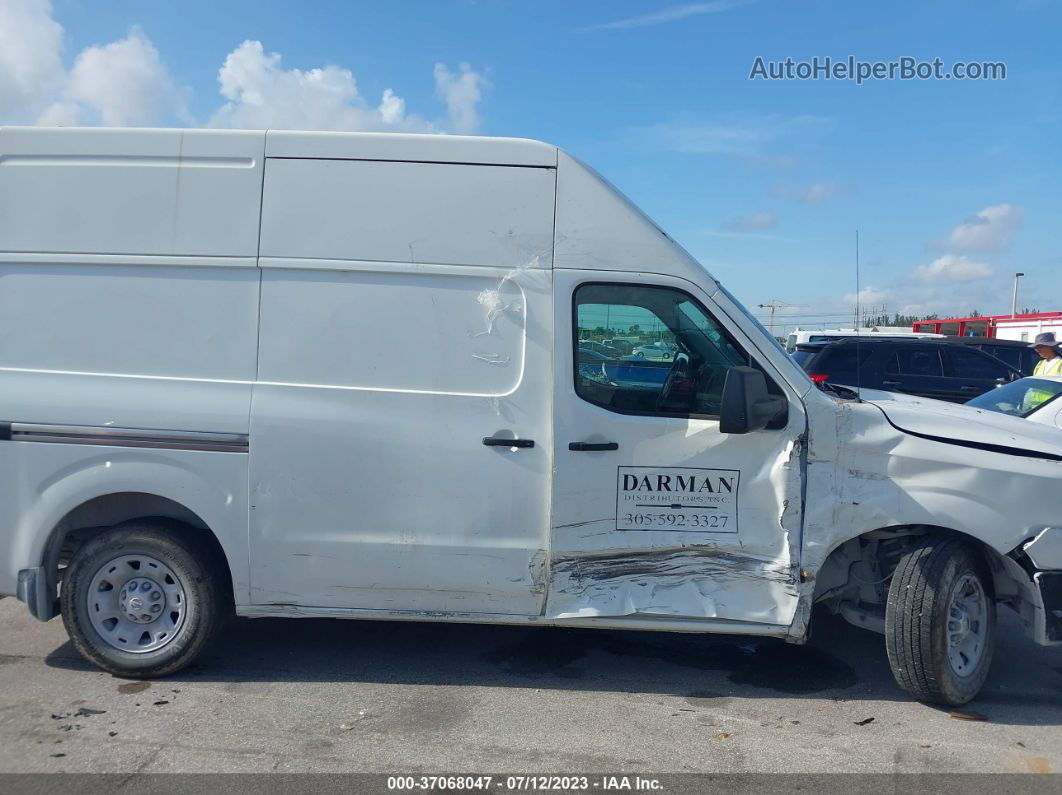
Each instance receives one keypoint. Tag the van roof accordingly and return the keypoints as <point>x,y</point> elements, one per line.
<point>426,148</point>
<point>594,226</point>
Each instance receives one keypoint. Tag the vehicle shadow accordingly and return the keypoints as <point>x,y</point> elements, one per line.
<point>841,663</point>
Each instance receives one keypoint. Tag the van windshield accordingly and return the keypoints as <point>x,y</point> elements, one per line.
<point>1019,398</point>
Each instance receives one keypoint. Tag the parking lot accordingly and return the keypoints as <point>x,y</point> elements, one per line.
<point>337,696</point>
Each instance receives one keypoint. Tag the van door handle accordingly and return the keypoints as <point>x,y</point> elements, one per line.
<point>890,383</point>
<point>497,441</point>
<point>592,447</point>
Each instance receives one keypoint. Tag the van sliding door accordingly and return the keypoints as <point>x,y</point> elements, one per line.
<point>400,427</point>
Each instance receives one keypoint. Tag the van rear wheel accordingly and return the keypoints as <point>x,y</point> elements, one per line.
<point>142,599</point>
<point>940,622</point>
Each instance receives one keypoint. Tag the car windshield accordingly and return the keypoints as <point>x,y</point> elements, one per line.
<point>1019,398</point>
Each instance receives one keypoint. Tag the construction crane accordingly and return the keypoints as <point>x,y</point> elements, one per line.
<point>773,305</point>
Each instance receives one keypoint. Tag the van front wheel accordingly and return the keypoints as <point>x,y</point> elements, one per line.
<point>142,600</point>
<point>940,622</point>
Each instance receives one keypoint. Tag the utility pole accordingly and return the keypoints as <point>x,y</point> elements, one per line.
<point>1014,296</point>
<point>773,305</point>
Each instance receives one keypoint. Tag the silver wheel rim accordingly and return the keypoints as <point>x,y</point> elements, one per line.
<point>967,629</point>
<point>136,603</point>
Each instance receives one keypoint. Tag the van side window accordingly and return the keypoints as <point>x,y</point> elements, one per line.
<point>665,355</point>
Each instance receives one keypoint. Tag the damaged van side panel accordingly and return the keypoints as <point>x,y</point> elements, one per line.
<point>603,563</point>
<point>599,569</point>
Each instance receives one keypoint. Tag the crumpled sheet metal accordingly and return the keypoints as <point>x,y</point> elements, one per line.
<point>692,582</point>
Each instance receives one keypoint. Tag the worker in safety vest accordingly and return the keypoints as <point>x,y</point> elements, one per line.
<point>1050,362</point>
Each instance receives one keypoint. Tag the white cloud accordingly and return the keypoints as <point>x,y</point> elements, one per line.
<point>815,193</point>
<point>126,83</point>
<point>868,296</point>
<point>714,137</point>
<point>31,64</point>
<point>121,84</point>
<point>742,135</point>
<point>461,93</point>
<point>988,230</point>
<point>262,94</point>
<point>952,268</point>
<point>392,107</point>
<point>747,224</point>
<point>948,299</point>
<point>672,14</point>
<point>953,284</point>
<point>907,296</point>
<point>819,192</point>
<point>61,114</point>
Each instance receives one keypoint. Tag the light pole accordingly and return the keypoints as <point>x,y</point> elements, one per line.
<point>1014,296</point>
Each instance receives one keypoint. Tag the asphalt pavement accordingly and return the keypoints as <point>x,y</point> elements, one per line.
<point>330,696</point>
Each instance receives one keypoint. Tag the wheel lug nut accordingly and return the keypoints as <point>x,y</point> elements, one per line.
<point>145,586</point>
<point>156,608</point>
<point>156,596</point>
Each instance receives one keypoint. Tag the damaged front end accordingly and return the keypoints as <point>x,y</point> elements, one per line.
<point>1037,567</point>
<point>901,472</point>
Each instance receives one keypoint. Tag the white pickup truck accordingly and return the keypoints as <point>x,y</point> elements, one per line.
<point>322,374</point>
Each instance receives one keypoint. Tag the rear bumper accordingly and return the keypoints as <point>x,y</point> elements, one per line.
<point>33,590</point>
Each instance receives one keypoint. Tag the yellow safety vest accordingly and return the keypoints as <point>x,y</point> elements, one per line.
<point>1048,366</point>
<point>1034,397</point>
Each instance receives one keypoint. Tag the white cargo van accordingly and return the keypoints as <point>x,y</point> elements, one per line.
<point>302,374</point>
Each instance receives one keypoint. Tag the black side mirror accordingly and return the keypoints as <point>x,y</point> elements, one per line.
<point>746,405</point>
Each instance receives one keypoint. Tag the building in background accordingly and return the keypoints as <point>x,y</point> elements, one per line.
<point>1007,327</point>
<point>1026,328</point>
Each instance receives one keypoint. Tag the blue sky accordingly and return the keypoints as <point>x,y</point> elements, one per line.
<point>954,185</point>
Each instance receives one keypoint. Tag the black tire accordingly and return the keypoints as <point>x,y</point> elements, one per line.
<point>916,622</point>
<point>194,563</point>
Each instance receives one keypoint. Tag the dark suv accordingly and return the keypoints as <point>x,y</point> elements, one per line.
<point>933,368</point>
<point>1016,354</point>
